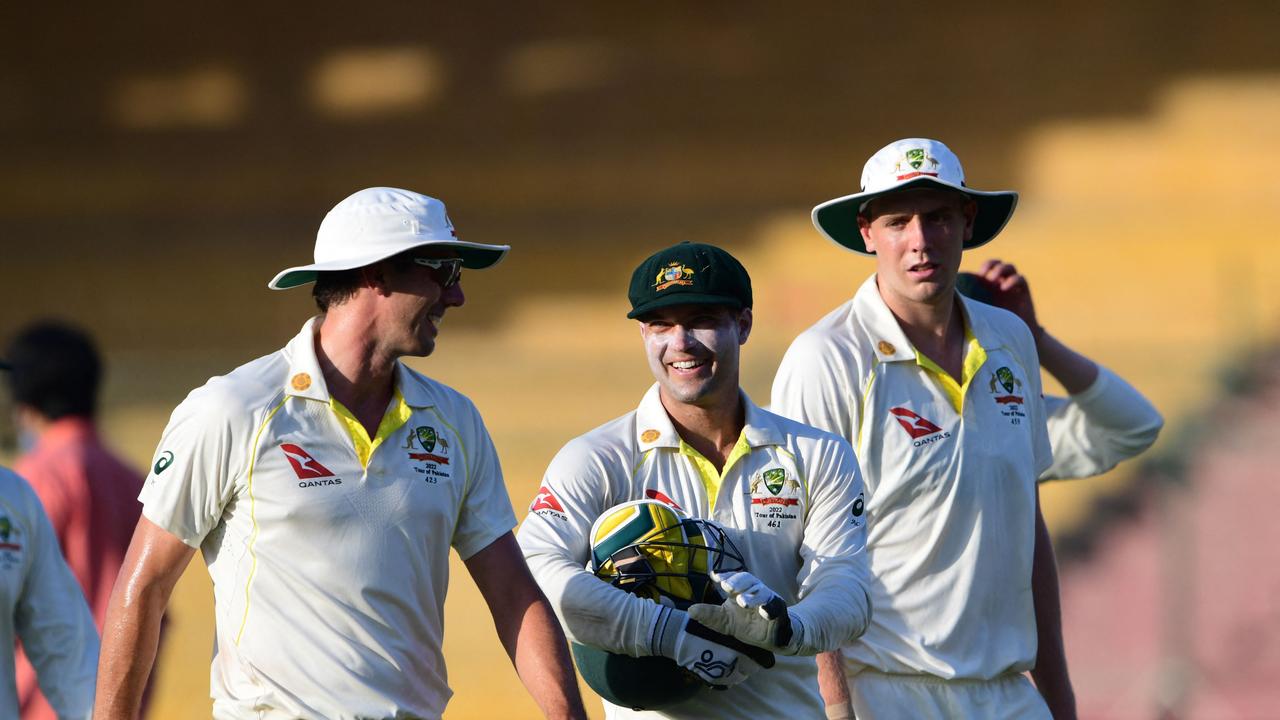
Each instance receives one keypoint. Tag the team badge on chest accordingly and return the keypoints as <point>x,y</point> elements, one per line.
<point>775,496</point>
<point>10,543</point>
<point>428,452</point>
<point>1010,402</point>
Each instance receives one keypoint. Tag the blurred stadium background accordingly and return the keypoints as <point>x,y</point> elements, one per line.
<point>159,163</point>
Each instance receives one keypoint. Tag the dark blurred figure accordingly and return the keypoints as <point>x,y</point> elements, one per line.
<point>89,494</point>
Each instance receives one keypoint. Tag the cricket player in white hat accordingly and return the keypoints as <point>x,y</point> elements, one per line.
<point>325,484</point>
<point>941,398</point>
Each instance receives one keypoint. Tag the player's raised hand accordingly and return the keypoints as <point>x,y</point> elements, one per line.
<point>752,613</point>
<point>1009,289</point>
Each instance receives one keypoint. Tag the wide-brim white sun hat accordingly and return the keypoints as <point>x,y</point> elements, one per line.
<point>377,223</point>
<point>906,164</point>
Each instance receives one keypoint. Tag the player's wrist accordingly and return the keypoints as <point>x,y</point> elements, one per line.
<point>668,626</point>
<point>841,711</point>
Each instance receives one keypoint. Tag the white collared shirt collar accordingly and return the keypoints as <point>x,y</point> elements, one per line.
<point>654,427</point>
<point>306,381</point>
<point>890,342</point>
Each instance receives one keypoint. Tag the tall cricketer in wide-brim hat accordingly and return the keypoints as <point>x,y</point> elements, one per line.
<point>904,165</point>
<point>377,223</point>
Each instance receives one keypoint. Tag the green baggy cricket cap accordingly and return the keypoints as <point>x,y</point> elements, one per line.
<point>689,274</point>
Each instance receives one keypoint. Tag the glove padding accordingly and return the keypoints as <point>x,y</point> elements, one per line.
<point>752,613</point>
<point>719,660</point>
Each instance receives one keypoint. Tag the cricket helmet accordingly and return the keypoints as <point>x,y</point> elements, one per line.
<point>654,551</point>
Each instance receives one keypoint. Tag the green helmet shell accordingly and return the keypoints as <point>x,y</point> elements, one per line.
<point>639,683</point>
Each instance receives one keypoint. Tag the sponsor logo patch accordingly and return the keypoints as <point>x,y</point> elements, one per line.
<point>163,462</point>
<point>662,498</point>
<point>546,504</point>
<point>922,430</point>
<point>304,466</point>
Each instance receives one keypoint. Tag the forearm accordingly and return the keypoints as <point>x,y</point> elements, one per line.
<point>833,686</point>
<point>1074,371</point>
<point>527,628</point>
<point>834,613</point>
<point>131,635</point>
<point>594,612</point>
<point>540,654</point>
<point>1050,672</point>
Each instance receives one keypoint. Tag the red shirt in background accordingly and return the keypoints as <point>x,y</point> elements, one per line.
<point>91,497</point>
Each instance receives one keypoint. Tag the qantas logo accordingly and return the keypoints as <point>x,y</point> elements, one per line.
<point>662,498</point>
<point>544,500</point>
<point>921,430</point>
<point>303,464</point>
<point>915,425</point>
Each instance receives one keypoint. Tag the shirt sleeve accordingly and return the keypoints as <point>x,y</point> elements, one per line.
<point>54,624</point>
<point>835,602</point>
<point>197,465</point>
<point>813,386</point>
<point>486,513</point>
<point>555,539</point>
<point>1093,431</point>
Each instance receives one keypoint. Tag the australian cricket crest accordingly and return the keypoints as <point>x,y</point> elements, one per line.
<point>673,274</point>
<point>916,162</point>
<point>775,496</point>
<point>429,451</point>
<point>1010,402</point>
<point>10,543</point>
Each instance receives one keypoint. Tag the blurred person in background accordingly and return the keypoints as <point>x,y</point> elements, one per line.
<point>941,398</point>
<point>41,607</point>
<point>325,484</point>
<point>89,494</point>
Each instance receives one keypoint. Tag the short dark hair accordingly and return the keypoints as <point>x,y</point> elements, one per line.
<point>338,286</point>
<point>335,287</point>
<point>55,369</point>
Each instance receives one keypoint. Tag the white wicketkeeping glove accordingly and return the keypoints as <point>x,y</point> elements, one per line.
<point>720,661</point>
<point>751,613</point>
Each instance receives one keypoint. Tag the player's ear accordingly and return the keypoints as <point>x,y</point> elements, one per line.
<point>864,227</point>
<point>375,278</point>
<point>970,212</point>
<point>744,325</point>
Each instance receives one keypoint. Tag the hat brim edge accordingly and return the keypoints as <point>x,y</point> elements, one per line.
<point>475,256</point>
<point>685,299</point>
<point>837,219</point>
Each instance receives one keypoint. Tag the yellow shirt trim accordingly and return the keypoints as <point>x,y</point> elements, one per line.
<point>974,358</point>
<point>397,415</point>
<point>711,479</point>
<point>253,516</point>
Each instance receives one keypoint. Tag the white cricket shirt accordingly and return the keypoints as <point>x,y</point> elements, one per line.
<point>43,606</point>
<point>951,474</point>
<point>1094,430</point>
<point>328,550</point>
<point>805,540</point>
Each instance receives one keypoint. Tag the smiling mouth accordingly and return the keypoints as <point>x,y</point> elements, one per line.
<point>688,364</point>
